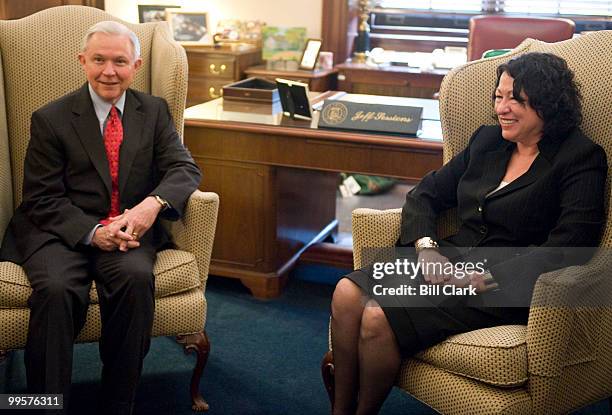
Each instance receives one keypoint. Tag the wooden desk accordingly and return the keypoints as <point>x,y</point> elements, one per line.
<point>402,81</point>
<point>277,180</point>
<point>316,80</point>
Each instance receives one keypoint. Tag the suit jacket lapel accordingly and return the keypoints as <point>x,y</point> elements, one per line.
<point>539,166</point>
<point>133,124</point>
<point>493,171</point>
<point>87,127</point>
<point>496,162</point>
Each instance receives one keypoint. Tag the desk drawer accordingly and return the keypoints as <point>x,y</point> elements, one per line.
<point>211,66</point>
<point>204,89</point>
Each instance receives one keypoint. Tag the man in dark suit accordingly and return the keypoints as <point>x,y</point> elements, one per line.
<point>103,163</point>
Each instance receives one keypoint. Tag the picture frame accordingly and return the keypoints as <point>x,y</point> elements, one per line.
<point>153,12</point>
<point>310,54</point>
<point>294,98</point>
<point>283,43</point>
<point>187,27</point>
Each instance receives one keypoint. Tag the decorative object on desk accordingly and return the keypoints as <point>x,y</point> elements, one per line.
<point>347,115</point>
<point>362,43</point>
<point>283,44</point>
<point>294,98</point>
<point>449,57</point>
<point>187,26</point>
<point>153,12</point>
<point>234,30</point>
<point>229,30</point>
<point>253,90</point>
<point>310,54</point>
<point>252,32</point>
<point>326,61</point>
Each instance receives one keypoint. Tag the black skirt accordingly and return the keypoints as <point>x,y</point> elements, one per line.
<point>423,320</point>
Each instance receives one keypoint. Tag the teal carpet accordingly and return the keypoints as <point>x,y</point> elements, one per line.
<point>265,358</point>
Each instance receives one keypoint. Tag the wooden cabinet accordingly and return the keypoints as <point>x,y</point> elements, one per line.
<point>320,81</point>
<point>210,69</point>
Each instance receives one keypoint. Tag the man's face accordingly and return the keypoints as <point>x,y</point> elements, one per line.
<point>109,64</point>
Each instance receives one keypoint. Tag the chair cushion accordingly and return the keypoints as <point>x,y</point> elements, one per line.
<point>496,355</point>
<point>175,272</point>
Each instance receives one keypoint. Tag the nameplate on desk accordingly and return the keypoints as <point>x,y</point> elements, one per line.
<point>345,115</point>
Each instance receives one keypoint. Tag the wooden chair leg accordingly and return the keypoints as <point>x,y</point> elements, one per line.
<point>327,371</point>
<point>199,343</point>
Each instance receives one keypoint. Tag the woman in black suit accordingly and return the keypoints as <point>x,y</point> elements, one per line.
<point>534,180</point>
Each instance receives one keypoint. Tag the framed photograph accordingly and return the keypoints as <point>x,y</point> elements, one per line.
<point>153,12</point>
<point>187,26</point>
<point>310,54</point>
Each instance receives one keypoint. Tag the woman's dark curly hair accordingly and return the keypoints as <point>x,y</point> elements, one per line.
<point>551,89</point>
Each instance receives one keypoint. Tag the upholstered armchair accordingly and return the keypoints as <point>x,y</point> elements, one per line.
<point>562,359</point>
<point>39,64</point>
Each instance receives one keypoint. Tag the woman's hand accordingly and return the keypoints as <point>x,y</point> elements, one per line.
<point>434,266</point>
<point>474,279</point>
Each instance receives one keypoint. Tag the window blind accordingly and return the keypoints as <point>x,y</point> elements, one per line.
<point>549,7</point>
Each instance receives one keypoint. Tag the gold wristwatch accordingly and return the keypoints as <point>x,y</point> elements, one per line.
<point>425,243</point>
<point>164,205</point>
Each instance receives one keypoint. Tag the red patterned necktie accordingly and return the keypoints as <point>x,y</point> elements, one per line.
<point>113,136</point>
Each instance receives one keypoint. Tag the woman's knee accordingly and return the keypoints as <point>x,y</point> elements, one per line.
<point>374,324</point>
<point>347,298</point>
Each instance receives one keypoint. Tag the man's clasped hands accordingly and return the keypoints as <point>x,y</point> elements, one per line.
<point>123,231</point>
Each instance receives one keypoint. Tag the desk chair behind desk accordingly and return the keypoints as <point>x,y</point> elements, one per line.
<point>39,64</point>
<point>507,32</point>
<point>562,359</point>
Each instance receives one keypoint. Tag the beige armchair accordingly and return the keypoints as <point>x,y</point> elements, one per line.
<point>562,359</point>
<point>39,64</point>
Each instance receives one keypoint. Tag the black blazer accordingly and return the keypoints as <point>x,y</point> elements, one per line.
<point>67,183</point>
<point>558,202</point>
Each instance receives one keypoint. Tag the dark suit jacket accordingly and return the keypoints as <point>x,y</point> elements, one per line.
<point>558,202</point>
<point>67,183</point>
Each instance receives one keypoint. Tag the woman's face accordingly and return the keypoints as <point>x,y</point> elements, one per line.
<point>520,123</point>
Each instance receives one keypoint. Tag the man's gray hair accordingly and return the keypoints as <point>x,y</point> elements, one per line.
<point>112,28</point>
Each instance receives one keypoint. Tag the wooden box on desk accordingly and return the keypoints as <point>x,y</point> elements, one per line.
<point>251,90</point>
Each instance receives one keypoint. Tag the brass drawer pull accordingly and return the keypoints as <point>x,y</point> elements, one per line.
<point>213,69</point>
<point>211,92</point>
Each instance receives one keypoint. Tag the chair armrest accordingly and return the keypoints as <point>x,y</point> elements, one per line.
<point>195,231</point>
<point>373,229</point>
<point>570,313</point>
